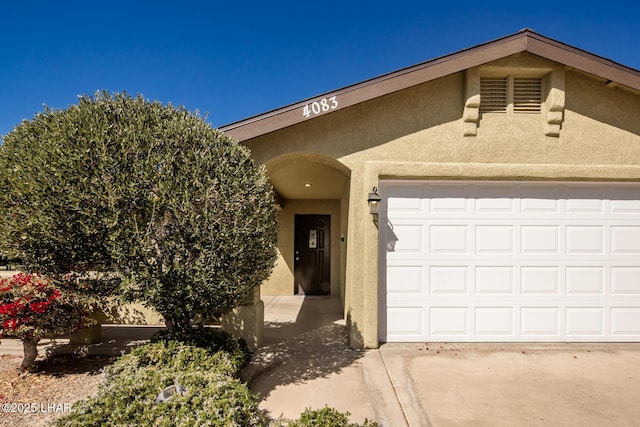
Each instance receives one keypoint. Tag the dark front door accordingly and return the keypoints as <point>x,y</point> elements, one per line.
<point>312,269</point>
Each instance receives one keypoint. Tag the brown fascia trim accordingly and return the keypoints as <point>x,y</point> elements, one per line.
<point>583,61</point>
<point>525,40</point>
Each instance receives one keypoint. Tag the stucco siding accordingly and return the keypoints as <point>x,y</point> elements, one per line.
<point>370,125</point>
<point>418,133</point>
<point>601,126</point>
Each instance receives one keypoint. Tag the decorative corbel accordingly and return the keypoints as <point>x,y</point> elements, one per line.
<point>471,114</point>
<point>555,102</point>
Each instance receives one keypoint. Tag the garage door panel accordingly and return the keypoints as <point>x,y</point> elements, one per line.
<point>624,200</point>
<point>448,321</point>
<point>625,280</point>
<point>540,239</point>
<point>449,239</point>
<point>448,199</point>
<point>493,199</point>
<point>494,280</point>
<point>540,280</point>
<point>405,322</point>
<point>585,321</point>
<point>539,321</point>
<point>585,199</point>
<point>585,239</point>
<point>406,198</point>
<point>407,238</point>
<point>494,239</point>
<point>482,261</point>
<point>495,321</point>
<point>405,279</point>
<point>625,239</point>
<point>625,321</point>
<point>448,280</point>
<point>584,280</point>
<point>538,200</point>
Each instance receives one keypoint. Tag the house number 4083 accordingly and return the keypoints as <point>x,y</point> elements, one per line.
<point>321,106</point>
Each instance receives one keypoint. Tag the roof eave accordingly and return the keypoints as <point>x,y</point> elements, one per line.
<point>523,41</point>
<point>582,60</point>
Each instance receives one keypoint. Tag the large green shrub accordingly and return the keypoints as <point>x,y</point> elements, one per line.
<point>56,212</point>
<point>118,183</point>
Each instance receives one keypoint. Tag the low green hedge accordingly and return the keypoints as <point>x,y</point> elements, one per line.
<point>211,339</point>
<point>213,397</point>
<point>325,417</point>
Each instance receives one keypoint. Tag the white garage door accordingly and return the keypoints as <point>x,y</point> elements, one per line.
<point>509,261</point>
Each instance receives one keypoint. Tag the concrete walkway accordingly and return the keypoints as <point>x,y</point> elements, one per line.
<point>305,362</point>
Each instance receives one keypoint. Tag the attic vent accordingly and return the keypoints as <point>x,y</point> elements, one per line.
<point>493,95</point>
<point>527,95</point>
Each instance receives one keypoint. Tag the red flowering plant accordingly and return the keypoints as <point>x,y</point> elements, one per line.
<point>33,307</point>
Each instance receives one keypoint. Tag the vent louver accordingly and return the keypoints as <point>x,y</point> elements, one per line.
<point>527,95</point>
<point>493,95</point>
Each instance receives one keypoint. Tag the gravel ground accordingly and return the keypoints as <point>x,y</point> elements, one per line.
<point>35,398</point>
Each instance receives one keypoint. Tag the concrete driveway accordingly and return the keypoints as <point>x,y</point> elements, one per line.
<point>494,385</point>
<point>305,363</point>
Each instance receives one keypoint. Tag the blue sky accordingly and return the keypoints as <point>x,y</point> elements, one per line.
<point>237,59</point>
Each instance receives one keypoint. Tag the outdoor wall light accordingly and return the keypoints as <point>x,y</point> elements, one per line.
<point>374,202</point>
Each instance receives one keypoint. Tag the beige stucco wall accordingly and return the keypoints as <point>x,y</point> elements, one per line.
<point>418,134</point>
<point>132,314</point>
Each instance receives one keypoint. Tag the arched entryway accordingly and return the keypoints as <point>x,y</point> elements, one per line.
<point>313,194</point>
